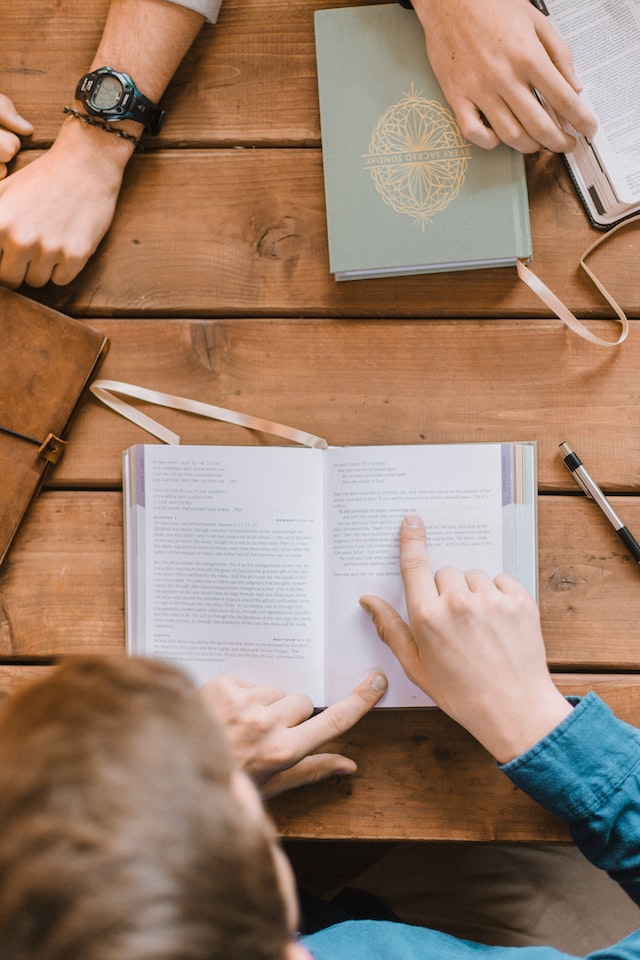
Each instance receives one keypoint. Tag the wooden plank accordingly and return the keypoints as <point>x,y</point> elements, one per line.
<point>250,79</point>
<point>360,382</point>
<point>15,678</point>
<point>61,587</point>
<point>420,777</point>
<point>206,232</point>
<point>243,233</point>
<point>249,235</point>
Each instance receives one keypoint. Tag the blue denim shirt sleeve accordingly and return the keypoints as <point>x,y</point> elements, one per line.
<point>587,772</point>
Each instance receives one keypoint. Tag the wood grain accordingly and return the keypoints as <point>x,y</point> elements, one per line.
<point>213,283</point>
<point>364,382</point>
<point>61,588</point>
<point>420,777</point>
<point>250,79</point>
<point>224,212</point>
<point>239,232</point>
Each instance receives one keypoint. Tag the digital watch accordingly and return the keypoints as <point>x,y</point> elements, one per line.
<point>112,95</point>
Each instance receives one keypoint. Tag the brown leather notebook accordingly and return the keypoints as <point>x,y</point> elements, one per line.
<point>46,361</point>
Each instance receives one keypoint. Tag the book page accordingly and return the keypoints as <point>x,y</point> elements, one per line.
<point>457,489</point>
<point>233,548</point>
<point>604,38</point>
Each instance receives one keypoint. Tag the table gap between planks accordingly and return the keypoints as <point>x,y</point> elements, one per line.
<point>214,283</point>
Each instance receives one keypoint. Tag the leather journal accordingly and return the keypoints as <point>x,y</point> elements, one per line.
<point>46,361</point>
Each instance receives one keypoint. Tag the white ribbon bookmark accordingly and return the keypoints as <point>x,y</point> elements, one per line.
<point>110,392</point>
<point>562,312</point>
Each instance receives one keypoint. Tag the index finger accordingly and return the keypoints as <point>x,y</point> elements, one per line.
<point>560,87</point>
<point>340,716</point>
<point>415,567</point>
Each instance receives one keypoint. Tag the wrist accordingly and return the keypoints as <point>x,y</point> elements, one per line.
<point>90,143</point>
<point>517,727</point>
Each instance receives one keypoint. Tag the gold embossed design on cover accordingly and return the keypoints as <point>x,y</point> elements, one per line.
<point>417,157</point>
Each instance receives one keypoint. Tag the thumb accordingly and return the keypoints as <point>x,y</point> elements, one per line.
<point>391,628</point>
<point>11,119</point>
<point>312,769</point>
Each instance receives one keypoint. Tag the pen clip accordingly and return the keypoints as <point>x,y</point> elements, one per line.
<point>573,463</point>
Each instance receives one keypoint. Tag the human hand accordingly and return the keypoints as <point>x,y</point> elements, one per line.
<point>475,646</point>
<point>12,126</point>
<point>55,210</point>
<point>489,57</point>
<point>274,736</point>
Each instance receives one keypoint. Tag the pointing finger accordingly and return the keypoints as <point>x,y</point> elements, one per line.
<point>415,567</point>
<point>340,716</point>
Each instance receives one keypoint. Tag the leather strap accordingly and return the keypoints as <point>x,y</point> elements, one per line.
<point>110,393</point>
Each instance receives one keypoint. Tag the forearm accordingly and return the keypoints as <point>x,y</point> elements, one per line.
<point>587,772</point>
<point>77,182</point>
<point>147,39</point>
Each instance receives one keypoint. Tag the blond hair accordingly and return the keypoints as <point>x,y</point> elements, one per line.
<point>119,836</point>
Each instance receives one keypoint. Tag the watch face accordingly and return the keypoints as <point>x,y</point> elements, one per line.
<point>107,93</point>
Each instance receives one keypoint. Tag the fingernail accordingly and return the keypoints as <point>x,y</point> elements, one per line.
<point>413,520</point>
<point>379,682</point>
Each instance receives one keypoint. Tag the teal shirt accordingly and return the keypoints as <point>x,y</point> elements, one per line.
<point>587,772</point>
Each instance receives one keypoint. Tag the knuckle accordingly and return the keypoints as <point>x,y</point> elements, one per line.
<point>410,562</point>
<point>254,721</point>
<point>280,755</point>
<point>387,628</point>
<point>338,720</point>
<point>306,704</point>
<point>9,146</point>
<point>460,603</point>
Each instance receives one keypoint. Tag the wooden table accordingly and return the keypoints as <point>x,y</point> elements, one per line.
<point>214,283</point>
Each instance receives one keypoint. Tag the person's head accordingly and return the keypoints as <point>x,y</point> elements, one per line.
<point>125,832</point>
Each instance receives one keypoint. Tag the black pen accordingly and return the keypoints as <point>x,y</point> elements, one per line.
<point>574,464</point>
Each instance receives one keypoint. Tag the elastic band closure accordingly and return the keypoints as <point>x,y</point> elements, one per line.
<point>50,449</point>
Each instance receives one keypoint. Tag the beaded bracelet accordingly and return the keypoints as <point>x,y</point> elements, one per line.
<point>101,126</point>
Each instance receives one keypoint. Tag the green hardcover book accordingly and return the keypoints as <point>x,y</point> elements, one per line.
<point>406,193</point>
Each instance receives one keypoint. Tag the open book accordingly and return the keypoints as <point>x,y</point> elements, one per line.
<point>250,561</point>
<point>604,38</point>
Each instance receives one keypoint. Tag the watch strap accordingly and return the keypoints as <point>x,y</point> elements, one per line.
<point>147,113</point>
